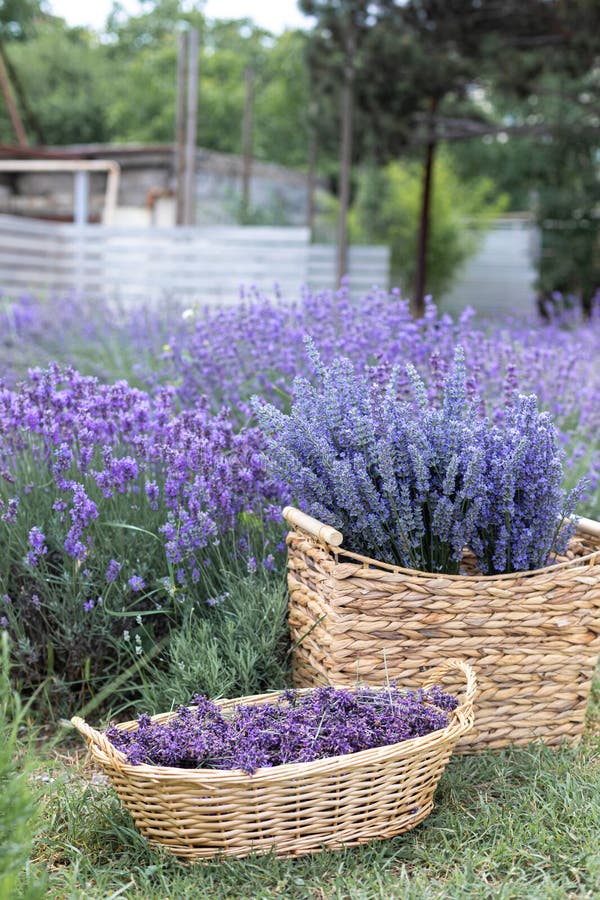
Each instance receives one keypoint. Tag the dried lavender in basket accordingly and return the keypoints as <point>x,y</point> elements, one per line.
<point>296,727</point>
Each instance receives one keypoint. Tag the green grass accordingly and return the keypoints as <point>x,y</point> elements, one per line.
<point>241,649</point>
<point>18,808</point>
<point>523,823</point>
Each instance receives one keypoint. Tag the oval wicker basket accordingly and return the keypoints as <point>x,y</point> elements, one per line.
<point>291,809</point>
<point>534,637</point>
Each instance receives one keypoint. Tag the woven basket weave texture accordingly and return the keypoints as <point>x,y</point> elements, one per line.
<point>533,637</point>
<point>292,809</point>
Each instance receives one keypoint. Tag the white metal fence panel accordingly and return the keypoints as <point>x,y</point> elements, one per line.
<point>204,265</point>
<point>368,267</point>
<point>500,277</point>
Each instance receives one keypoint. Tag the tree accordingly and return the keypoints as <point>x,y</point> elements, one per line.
<point>335,55</point>
<point>387,210</point>
<point>17,22</point>
<point>66,78</point>
<point>18,18</point>
<point>421,60</point>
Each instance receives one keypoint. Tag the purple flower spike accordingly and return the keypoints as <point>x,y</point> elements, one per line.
<point>136,583</point>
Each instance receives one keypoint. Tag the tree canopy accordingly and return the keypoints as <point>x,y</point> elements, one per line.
<point>121,85</point>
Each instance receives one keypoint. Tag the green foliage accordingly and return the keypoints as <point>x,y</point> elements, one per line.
<point>18,807</point>
<point>72,631</point>
<point>142,105</point>
<point>18,18</point>
<point>66,78</point>
<point>551,165</point>
<point>510,159</point>
<point>240,649</point>
<point>282,100</point>
<point>387,208</point>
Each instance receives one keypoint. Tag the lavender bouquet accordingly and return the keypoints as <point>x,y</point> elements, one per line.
<point>414,481</point>
<point>297,727</point>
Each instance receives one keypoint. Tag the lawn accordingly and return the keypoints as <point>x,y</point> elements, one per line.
<point>141,560</point>
<point>521,823</point>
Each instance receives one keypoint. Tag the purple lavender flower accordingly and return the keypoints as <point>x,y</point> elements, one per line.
<point>526,514</point>
<point>322,723</point>
<point>10,513</point>
<point>112,571</point>
<point>400,478</point>
<point>216,601</point>
<point>37,540</point>
<point>89,605</point>
<point>269,562</point>
<point>136,583</point>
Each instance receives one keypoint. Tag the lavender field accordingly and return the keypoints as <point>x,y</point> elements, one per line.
<point>134,473</point>
<point>141,541</point>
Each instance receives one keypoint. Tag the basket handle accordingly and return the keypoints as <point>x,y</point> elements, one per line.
<point>311,526</point>
<point>464,709</point>
<point>588,526</point>
<point>100,740</point>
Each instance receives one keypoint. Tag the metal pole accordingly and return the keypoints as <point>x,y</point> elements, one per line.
<point>180,129</point>
<point>247,142</point>
<point>81,190</point>
<point>190,129</point>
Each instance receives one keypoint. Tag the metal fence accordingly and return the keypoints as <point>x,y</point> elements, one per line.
<point>500,277</point>
<point>204,265</point>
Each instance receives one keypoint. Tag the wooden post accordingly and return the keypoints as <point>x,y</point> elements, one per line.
<point>13,112</point>
<point>345,162</point>
<point>180,120</point>
<point>247,140</point>
<point>418,302</point>
<point>190,129</point>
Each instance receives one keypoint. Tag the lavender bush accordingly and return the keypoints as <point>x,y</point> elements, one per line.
<point>253,347</point>
<point>297,727</point>
<point>114,510</point>
<point>415,482</point>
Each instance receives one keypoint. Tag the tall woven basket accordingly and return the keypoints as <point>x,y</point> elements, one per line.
<point>533,637</point>
<point>291,809</point>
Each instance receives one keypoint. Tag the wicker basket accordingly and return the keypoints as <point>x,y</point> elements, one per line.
<point>534,637</point>
<point>291,809</point>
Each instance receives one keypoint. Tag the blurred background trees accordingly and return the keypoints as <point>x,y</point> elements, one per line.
<point>459,109</point>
